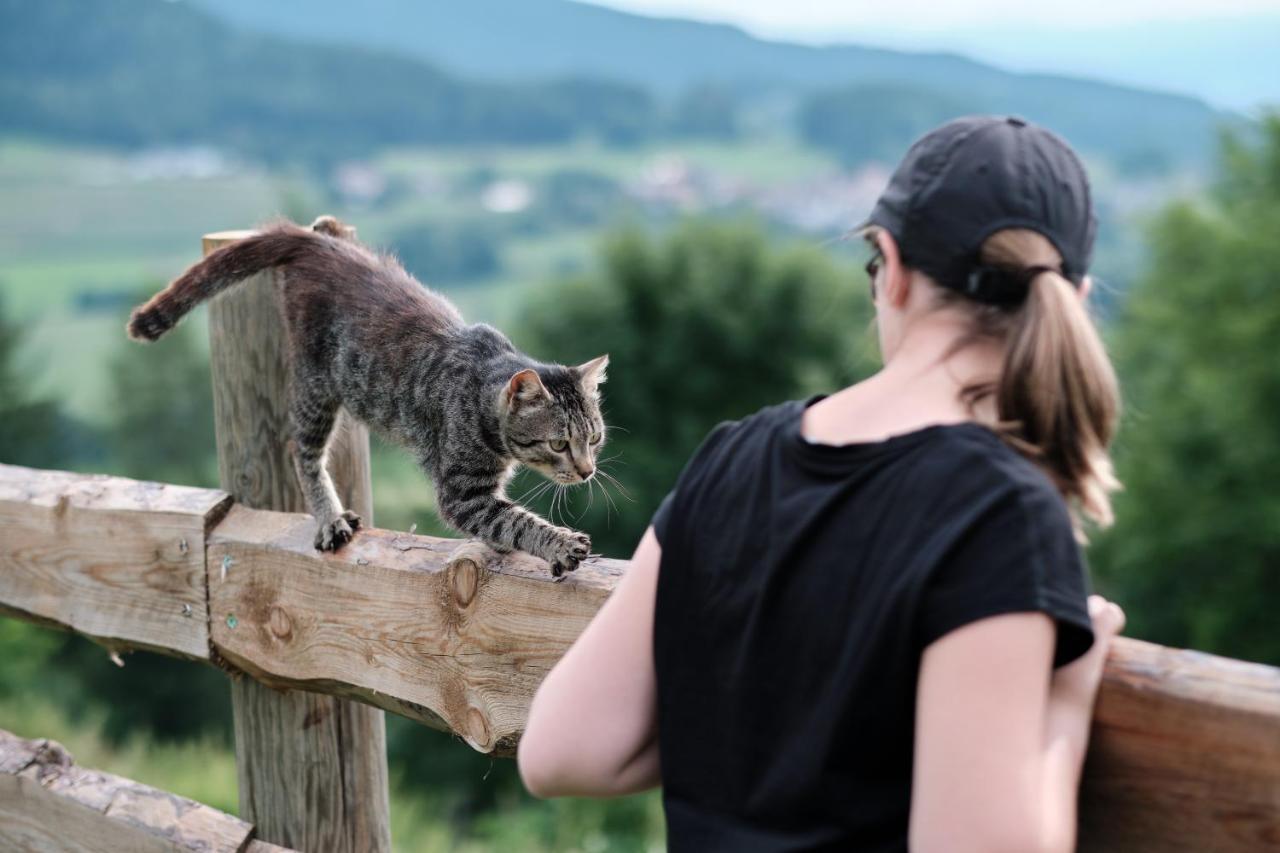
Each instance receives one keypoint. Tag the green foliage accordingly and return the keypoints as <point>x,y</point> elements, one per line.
<point>162,419</point>
<point>33,430</point>
<point>708,324</point>
<point>877,119</point>
<point>446,253</point>
<point>875,122</point>
<point>1194,554</point>
<point>25,651</point>
<point>96,71</point>
<point>708,111</point>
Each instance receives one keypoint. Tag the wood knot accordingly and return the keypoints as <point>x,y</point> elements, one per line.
<point>466,580</point>
<point>463,573</point>
<point>478,727</point>
<point>280,623</point>
<point>314,717</point>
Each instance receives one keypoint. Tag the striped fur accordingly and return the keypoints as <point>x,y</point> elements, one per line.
<point>365,335</point>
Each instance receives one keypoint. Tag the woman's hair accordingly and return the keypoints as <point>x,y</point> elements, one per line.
<point>1057,397</point>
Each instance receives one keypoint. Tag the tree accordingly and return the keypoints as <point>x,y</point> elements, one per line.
<point>876,121</point>
<point>1195,552</point>
<point>710,323</point>
<point>33,430</point>
<point>162,423</point>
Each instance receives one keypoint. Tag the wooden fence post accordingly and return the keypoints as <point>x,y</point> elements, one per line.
<point>312,769</point>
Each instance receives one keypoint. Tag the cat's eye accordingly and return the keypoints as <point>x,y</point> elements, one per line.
<point>559,445</point>
<point>595,438</point>
<point>523,443</point>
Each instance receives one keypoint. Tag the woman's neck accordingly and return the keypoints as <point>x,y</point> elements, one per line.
<point>916,388</point>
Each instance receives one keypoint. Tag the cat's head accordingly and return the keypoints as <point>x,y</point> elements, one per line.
<point>551,419</point>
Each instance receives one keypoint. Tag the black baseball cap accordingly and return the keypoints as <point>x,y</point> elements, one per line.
<point>975,175</point>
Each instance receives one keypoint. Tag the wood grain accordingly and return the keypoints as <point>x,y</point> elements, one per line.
<point>1184,754</point>
<point>459,644</point>
<point>312,769</point>
<point>120,561</point>
<point>48,803</point>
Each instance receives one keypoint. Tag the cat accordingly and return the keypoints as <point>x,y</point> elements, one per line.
<point>365,335</point>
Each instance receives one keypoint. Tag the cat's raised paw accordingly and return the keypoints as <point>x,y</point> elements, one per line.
<point>567,550</point>
<point>336,532</point>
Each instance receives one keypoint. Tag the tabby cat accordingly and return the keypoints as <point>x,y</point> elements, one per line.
<point>365,335</point>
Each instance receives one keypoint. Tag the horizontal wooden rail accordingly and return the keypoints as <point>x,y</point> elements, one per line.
<point>48,803</point>
<point>450,634</point>
<point>1185,752</point>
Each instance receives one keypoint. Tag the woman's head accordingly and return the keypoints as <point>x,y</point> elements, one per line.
<point>989,221</point>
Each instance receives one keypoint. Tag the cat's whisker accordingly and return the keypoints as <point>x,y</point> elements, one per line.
<point>577,518</point>
<point>604,490</point>
<point>558,502</point>
<point>537,493</point>
<point>534,491</point>
<point>621,488</point>
<point>609,507</point>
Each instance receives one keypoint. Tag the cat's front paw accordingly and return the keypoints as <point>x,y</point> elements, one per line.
<point>566,549</point>
<point>336,532</point>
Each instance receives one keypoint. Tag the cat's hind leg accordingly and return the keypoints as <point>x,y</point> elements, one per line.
<point>313,416</point>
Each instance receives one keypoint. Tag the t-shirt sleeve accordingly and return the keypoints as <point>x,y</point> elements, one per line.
<point>1018,555</point>
<point>662,516</point>
<point>693,469</point>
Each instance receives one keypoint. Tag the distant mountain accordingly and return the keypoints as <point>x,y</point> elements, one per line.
<point>146,72</point>
<point>1231,60</point>
<point>519,39</point>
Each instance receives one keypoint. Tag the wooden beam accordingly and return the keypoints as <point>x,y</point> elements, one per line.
<point>120,561</point>
<point>312,769</point>
<point>48,803</point>
<point>455,637</point>
<point>1184,754</point>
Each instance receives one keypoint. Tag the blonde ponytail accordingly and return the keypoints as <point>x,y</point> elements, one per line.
<point>1057,397</point>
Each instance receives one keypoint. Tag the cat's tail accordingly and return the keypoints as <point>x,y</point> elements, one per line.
<point>277,245</point>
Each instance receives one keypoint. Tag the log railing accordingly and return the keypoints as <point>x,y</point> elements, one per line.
<point>1185,752</point>
<point>455,637</point>
<point>49,803</point>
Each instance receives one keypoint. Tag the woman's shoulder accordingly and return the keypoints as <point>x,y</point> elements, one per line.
<point>736,439</point>
<point>977,461</point>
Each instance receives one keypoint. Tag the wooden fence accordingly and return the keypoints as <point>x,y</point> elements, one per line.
<point>1184,755</point>
<point>48,803</point>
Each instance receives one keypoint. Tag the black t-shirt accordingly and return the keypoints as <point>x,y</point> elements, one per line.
<point>799,585</point>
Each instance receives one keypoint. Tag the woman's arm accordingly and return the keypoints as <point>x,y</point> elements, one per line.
<point>1001,737</point>
<point>1072,693</point>
<point>592,725</point>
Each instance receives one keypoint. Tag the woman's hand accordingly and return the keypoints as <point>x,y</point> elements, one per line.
<point>1077,682</point>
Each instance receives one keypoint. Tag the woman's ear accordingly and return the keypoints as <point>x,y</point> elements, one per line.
<point>896,281</point>
<point>1085,286</point>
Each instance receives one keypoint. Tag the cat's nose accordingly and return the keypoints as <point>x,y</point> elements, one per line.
<point>585,473</point>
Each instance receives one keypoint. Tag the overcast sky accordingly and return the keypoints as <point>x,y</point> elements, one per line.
<point>1225,51</point>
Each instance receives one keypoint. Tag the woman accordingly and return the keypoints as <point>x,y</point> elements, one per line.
<point>860,622</point>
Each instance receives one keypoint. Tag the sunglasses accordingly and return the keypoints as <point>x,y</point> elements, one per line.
<point>873,267</point>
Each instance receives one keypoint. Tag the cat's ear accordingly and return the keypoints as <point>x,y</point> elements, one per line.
<point>592,372</point>
<point>526,387</point>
